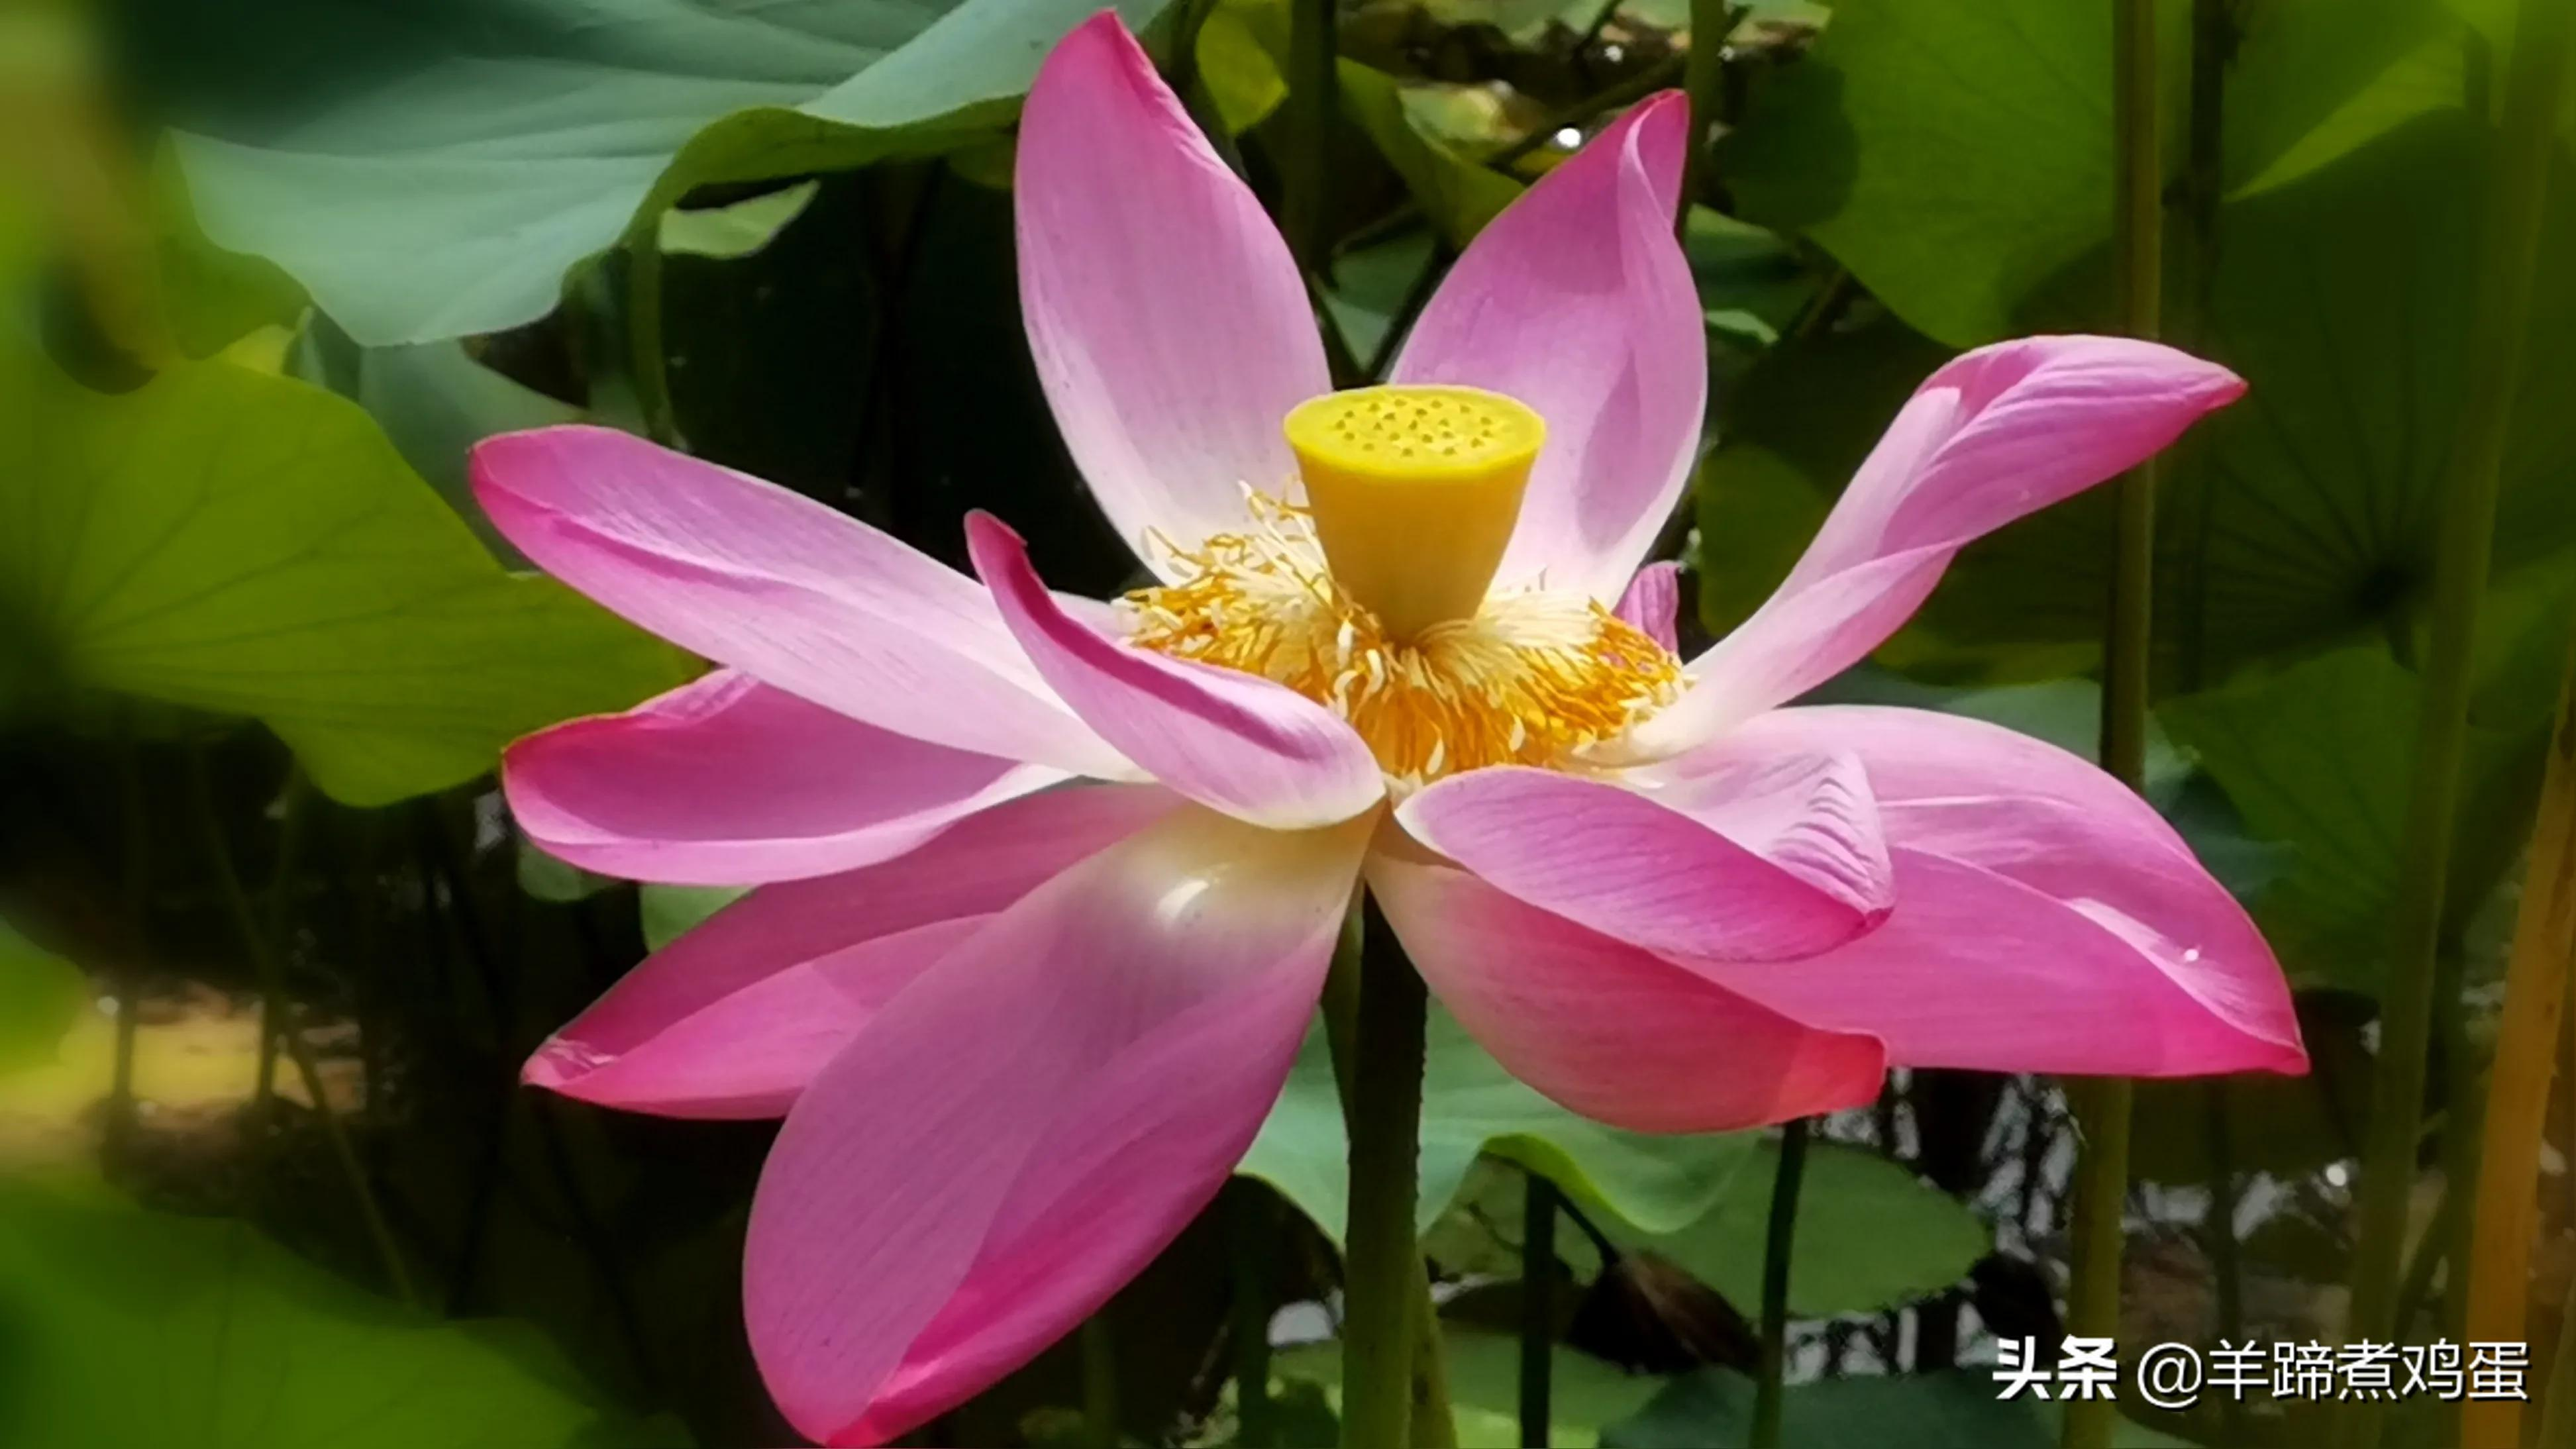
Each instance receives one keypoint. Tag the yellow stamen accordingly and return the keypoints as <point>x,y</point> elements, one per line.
<point>1531,678</point>
<point>1414,492</point>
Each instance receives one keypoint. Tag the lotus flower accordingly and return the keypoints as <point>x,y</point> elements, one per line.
<point>1049,886</point>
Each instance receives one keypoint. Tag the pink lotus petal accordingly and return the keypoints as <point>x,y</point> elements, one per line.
<point>1606,1029</point>
<point>1170,326</point>
<point>730,782</point>
<point>2046,918</point>
<point>782,588</point>
<point>1764,865</point>
<point>734,1018</point>
<point>1577,301</point>
<point>1231,741</point>
<point>1026,1125</point>
<point>1652,605</point>
<point>1996,433</point>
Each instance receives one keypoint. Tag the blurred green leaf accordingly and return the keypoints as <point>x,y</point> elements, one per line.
<point>435,402</point>
<point>2319,757</point>
<point>1751,281</point>
<point>1712,1408</point>
<point>1457,194</point>
<point>429,169</point>
<point>1956,154</point>
<point>1951,153</point>
<point>1870,1234</point>
<point>1525,21</point>
<point>549,878</point>
<point>1470,1105</point>
<point>1480,1235</point>
<point>40,996</point>
<point>669,912</point>
<point>1484,1388</point>
<point>1240,46</point>
<point>2300,516</point>
<point>2343,301</point>
<point>247,544</point>
<point>2311,81</point>
<point>727,232</point>
<point>1370,285</point>
<point>1796,429</point>
<point>214,297</point>
<point>126,1329</point>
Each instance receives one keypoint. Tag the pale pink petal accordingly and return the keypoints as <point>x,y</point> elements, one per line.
<point>1995,434</point>
<point>1756,865</point>
<point>1606,1029</point>
<point>2046,918</point>
<point>1232,741</point>
<point>1026,1125</point>
<point>1170,326</point>
<point>730,782</point>
<point>1577,301</point>
<point>784,589</point>
<point>1652,605</point>
<point>733,1019</point>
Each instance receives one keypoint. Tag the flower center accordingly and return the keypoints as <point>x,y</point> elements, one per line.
<point>1372,599</point>
<point>1414,491</point>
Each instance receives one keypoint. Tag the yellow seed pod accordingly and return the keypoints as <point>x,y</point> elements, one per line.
<point>1414,492</point>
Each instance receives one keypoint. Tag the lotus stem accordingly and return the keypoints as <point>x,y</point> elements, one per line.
<point>272,985</point>
<point>1434,1426</point>
<point>125,983</point>
<point>1252,1234</point>
<point>646,356</point>
<point>281,887</point>
<point>1312,86</point>
<point>2102,1106</point>
<point>2492,362</point>
<point>1703,78</point>
<point>1099,1384</point>
<point>1385,1308</point>
<point>1779,1238</point>
<point>2535,993</point>
<point>2225,1255</point>
<point>1538,1301</point>
<point>2558,1398</point>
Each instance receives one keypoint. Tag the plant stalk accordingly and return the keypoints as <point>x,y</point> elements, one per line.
<point>1312,88</point>
<point>2499,324</point>
<point>1252,1233</point>
<point>2432,1253</point>
<point>1099,1384</point>
<point>1385,1306</point>
<point>1703,78</point>
<point>443,861</point>
<point>2535,994</point>
<point>2558,1396</point>
<point>125,983</point>
<point>2102,1106</point>
<point>2225,1254</point>
<point>647,358</point>
<point>1538,1304</point>
<point>2463,1120</point>
<point>1779,1238</point>
<point>281,889</point>
<point>272,985</point>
